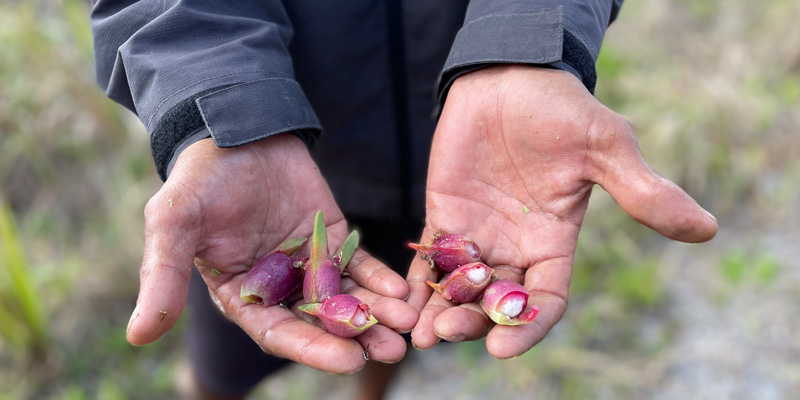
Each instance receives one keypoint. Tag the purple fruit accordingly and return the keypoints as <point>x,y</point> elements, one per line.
<point>466,283</point>
<point>506,303</point>
<point>323,277</point>
<point>342,315</point>
<point>321,282</point>
<point>449,251</point>
<point>274,276</point>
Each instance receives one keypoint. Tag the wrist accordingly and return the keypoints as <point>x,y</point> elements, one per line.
<point>286,147</point>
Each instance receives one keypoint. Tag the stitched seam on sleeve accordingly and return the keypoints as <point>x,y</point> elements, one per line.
<point>500,14</point>
<point>211,128</point>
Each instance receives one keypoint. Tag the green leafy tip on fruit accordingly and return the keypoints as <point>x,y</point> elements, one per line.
<point>319,241</point>
<point>345,253</point>
<point>170,203</point>
<point>215,271</point>
<point>525,210</point>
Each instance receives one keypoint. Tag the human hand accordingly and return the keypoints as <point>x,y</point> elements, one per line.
<point>513,161</point>
<point>222,209</point>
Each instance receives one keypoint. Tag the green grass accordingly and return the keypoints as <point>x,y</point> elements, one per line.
<point>739,267</point>
<point>22,318</point>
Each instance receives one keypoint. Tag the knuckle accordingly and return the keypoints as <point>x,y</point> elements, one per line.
<point>163,210</point>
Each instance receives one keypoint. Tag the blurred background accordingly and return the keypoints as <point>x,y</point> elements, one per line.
<point>712,88</point>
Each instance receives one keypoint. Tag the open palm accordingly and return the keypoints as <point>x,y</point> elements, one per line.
<point>222,209</point>
<point>514,158</point>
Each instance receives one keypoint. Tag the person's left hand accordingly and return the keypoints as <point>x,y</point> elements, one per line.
<point>513,161</point>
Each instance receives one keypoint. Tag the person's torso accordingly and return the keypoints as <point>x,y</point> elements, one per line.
<point>369,69</point>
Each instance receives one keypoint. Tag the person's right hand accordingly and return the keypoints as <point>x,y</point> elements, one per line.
<point>222,209</point>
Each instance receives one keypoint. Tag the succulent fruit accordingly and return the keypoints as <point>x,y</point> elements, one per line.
<point>323,278</point>
<point>466,283</point>
<point>449,251</point>
<point>342,315</point>
<point>506,303</point>
<point>274,276</point>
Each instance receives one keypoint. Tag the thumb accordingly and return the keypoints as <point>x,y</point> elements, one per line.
<point>649,198</point>
<point>166,269</point>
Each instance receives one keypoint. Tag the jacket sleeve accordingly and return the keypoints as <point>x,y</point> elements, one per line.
<point>187,67</point>
<point>564,34</point>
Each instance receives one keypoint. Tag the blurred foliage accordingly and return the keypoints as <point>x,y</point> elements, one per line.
<point>739,267</point>
<point>22,322</point>
<point>75,173</point>
<point>712,89</point>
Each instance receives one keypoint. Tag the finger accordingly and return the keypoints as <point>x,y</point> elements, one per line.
<point>166,266</point>
<point>392,313</point>
<point>372,274</point>
<point>468,321</point>
<point>419,273</point>
<point>279,332</point>
<point>548,283</point>
<point>649,198</point>
<point>423,336</point>
<point>465,322</point>
<point>382,344</point>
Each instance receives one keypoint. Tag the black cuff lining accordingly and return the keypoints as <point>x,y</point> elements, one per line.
<point>574,54</point>
<point>178,123</point>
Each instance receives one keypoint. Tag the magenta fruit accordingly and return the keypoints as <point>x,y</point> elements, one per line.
<point>274,276</point>
<point>506,303</point>
<point>449,251</point>
<point>323,277</point>
<point>342,315</point>
<point>466,283</point>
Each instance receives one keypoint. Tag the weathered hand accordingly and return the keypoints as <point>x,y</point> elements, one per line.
<point>514,159</point>
<point>221,209</point>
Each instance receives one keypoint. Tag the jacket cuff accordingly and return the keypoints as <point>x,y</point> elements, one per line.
<point>534,37</point>
<point>234,115</point>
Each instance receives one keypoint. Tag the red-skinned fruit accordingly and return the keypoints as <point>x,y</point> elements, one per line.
<point>466,283</point>
<point>448,251</point>
<point>323,277</point>
<point>274,276</point>
<point>342,315</point>
<point>506,303</point>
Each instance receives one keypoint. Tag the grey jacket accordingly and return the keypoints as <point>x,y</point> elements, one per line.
<point>370,74</point>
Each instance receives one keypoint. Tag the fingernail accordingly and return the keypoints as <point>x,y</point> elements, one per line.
<point>454,338</point>
<point>402,331</point>
<point>134,314</point>
<point>420,349</point>
<point>356,371</point>
<point>710,215</point>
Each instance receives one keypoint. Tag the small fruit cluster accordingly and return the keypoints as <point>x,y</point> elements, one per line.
<point>504,301</point>
<point>277,275</point>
